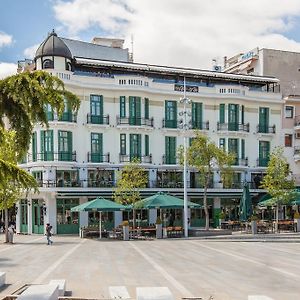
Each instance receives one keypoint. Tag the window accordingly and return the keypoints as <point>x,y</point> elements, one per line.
<point>196,115</point>
<point>289,112</point>
<point>96,106</point>
<point>65,145</point>
<point>135,146</point>
<point>171,114</point>
<point>146,145</point>
<point>264,152</point>
<point>146,108</point>
<point>222,144</point>
<point>122,107</point>
<point>263,120</point>
<point>288,140</point>
<point>96,147</point>
<point>34,146</point>
<point>170,146</point>
<point>233,117</point>
<point>48,64</point>
<point>222,113</point>
<point>233,147</point>
<point>47,145</point>
<point>135,110</point>
<point>123,144</point>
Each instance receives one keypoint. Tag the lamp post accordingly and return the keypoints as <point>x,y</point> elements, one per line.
<point>185,126</point>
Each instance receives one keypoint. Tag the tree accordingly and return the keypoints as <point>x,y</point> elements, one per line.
<point>205,157</point>
<point>13,180</point>
<point>278,181</point>
<point>23,98</point>
<point>129,182</point>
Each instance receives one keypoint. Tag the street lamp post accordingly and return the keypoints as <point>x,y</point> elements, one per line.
<point>185,127</point>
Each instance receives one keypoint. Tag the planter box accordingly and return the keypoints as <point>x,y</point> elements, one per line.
<point>159,233</point>
<point>297,222</point>
<point>126,233</point>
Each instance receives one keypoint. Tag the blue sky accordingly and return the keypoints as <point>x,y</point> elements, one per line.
<point>167,32</point>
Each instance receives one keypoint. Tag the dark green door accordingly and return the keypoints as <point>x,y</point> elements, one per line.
<point>263,119</point>
<point>24,216</point>
<point>170,114</point>
<point>135,146</point>
<point>197,115</point>
<point>37,216</point>
<point>67,221</point>
<point>233,117</point>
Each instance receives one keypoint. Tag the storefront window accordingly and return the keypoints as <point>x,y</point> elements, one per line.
<point>64,215</point>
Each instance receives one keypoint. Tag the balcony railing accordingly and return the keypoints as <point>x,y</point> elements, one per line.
<point>51,156</point>
<point>98,119</point>
<point>170,160</point>
<point>240,162</point>
<point>98,158</point>
<point>233,127</point>
<point>170,123</point>
<point>144,159</point>
<point>68,117</point>
<point>265,129</point>
<point>262,162</point>
<point>135,121</point>
<point>200,125</point>
<point>101,183</point>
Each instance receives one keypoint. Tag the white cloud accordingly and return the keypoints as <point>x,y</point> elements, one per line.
<point>5,39</point>
<point>30,51</point>
<point>186,33</point>
<point>7,69</point>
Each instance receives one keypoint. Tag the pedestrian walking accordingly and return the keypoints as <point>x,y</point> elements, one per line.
<point>11,231</point>
<point>48,234</point>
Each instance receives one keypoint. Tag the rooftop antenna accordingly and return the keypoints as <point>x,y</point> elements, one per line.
<point>131,56</point>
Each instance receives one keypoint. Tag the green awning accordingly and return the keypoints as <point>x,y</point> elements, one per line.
<point>99,204</point>
<point>161,200</point>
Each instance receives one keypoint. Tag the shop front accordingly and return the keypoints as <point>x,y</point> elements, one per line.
<point>37,216</point>
<point>67,222</point>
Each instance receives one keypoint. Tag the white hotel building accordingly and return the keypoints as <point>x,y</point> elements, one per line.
<point>132,110</point>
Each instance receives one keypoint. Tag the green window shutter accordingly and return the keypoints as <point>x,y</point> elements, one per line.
<point>233,148</point>
<point>138,110</point>
<point>146,108</point>
<point>263,119</point>
<point>173,150</point>
<point>131,147</point>
<point>222,113</point>
<point>122,107</point>
<point>233,117</point>
<point>42,132</point>
<point>70,145</point>
<point>123,144</point>
<point>167,148</point>
<point>243,114</point>
<point>264,153</point>
<point>242,149</point>
<point>132,112</point>
<point>34,146</point>
<point>170,114</point>
<point>146,145</point>
<point>197,115</point>
<point>139,146</point>
<point>96,147</point>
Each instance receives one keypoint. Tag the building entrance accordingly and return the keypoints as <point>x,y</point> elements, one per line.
<point>37,216</point>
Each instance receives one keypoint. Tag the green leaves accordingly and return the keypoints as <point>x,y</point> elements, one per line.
<point>278,180</point>
<point>23,98</point>
<point>129,180</point>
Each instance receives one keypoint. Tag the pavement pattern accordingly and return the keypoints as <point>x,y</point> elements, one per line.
<point>223,269</point>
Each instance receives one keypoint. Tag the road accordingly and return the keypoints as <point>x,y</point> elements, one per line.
<point>223,269</point>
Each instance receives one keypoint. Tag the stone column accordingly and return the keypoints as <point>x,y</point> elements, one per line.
<point>51,211</point>
<point>29,214</point>
<point>152,216</point>
<point>18,217</point>
<point>152,178</point>
<point>216,211</point>
<point>118,218</point>
<point>83,215</point>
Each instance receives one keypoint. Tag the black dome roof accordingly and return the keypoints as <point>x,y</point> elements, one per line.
<point>53,46</point>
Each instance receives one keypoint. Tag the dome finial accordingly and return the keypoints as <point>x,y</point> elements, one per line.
<point>53,32</point>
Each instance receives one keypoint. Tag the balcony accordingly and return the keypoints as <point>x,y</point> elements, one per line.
<point>266,129</point>
<point>170,124</point>
<point>233,127</point>
<point>135,121</point>
<point>297,153</point>
<point>98,119</point>
<point>98,158</point>
<point>51,156</point>
<point>240,162</point>
<point>170,160</point>
<point>200,125</point>
<point>262,162</point>
<point>68,117</point>
<point>103,183</point>
<point>145,159</point>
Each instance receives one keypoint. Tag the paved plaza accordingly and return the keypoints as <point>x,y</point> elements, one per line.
<point>224,269</point>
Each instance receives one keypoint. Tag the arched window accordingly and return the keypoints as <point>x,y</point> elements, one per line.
<point>48,64</point>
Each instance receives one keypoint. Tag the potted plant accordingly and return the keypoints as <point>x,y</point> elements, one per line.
<point>297,220</point>
<point>222,216</point>
<point>125,226</point>
<point>253,220</point>
<point>158,228</point>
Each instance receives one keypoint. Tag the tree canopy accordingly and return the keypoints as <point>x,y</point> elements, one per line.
<point>23,98</point>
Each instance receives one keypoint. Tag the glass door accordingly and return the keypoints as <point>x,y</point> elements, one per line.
<point>37,216</point>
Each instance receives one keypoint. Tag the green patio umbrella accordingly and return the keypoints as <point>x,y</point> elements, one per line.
<point>99,204</point>
<point>161,200</point>
<point>245,204</point>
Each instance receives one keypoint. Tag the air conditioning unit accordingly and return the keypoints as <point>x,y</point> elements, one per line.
<point>217,68</point>
<point>297,135</point>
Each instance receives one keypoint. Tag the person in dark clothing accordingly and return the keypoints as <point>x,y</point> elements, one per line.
<point>48,234</point>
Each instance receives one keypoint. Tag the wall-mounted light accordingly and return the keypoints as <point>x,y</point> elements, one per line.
<point>44,207</point>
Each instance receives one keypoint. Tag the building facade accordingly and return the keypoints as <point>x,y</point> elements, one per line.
<point>130,110</point>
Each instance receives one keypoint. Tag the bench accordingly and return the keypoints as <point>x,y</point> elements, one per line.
<point>40,292</point>
<point>2,278</point>
<point>61,284</point>
<point>153,293</point>
<point>118,292</point>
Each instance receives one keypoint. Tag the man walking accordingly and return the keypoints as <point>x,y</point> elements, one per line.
<point>48,234</point>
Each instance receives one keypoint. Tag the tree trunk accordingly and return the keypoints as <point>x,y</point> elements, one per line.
<point>205,206</point>
<point>6,224</point>
<point>133,217</point>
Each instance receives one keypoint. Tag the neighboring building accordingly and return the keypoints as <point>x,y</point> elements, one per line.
<point>132,110</point>
<point>284,65</point>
